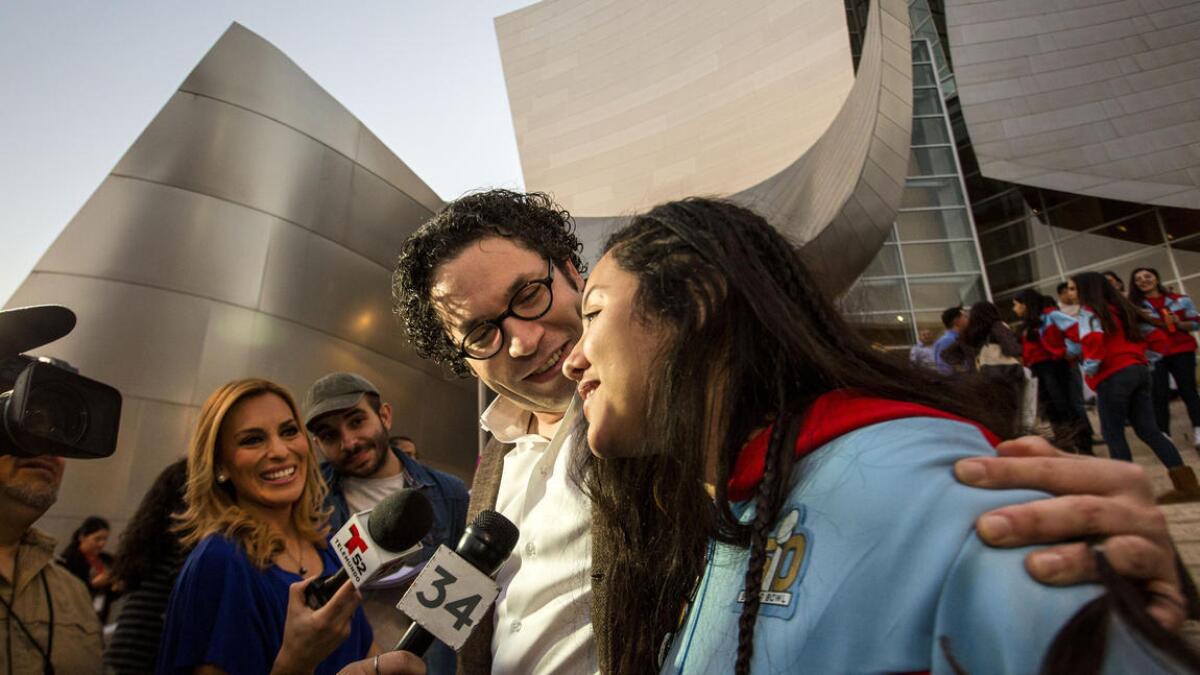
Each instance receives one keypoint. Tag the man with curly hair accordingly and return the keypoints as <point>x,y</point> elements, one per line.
<point>490,287</point>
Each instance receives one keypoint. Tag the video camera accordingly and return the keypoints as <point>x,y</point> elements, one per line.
<point>46,406</point>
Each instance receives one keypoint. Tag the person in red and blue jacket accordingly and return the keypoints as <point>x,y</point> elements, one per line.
<point>1044,341</point>
<point>1176,315</point>
<point>1115,366</point>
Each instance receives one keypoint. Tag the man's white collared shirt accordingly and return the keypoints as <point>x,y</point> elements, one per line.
<point>543,613</point>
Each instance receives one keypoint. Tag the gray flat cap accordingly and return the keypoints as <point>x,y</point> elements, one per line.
<point>335,391</point>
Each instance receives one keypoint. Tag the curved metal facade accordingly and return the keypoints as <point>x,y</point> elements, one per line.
<point>1099,99</point>
<point>249,231</point>
<point>838,199</point>
<point>618,106</point>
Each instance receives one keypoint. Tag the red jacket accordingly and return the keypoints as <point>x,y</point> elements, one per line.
<point>1177,341</point>
<point>1105,353</point>
<point>1056,326</point>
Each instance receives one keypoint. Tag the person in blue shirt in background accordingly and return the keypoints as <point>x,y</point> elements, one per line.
<point>352,425</point>
<point>955,320</point>
<point>921,354</point>
<point>255,518</point>
<point>835,538</point>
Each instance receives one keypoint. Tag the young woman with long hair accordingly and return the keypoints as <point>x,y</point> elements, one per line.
<point>86,558</point>
<point>835,539</point>
<point>988,346</point>
<point>1044,336</point>
<point>257,529</point>
<point>1176,315</point>
<point>1116,368</point>
<point>1114,280</point>
<point>148,561</point>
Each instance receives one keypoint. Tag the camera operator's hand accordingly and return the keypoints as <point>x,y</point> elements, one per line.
<point>388,663</point>
<point>311,635</point>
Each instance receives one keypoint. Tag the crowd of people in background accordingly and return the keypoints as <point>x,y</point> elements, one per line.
<point>1128,347</point>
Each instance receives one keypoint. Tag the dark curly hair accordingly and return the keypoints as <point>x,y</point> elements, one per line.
<point>533,219</point>
<point>148,538</point>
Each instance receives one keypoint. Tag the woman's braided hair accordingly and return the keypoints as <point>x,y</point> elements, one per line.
<point>531,219</point>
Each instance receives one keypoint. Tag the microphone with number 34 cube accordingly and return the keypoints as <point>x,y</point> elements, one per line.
<point>456,588</point>
<point>375,543</point>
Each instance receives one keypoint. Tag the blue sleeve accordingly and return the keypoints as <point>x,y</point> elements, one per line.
<point>1091,338</point>
<point>212,617</point>
<point>1189,309</point>
<point>996,618</point>
<point>938,347</point>
<point>1062,320</point>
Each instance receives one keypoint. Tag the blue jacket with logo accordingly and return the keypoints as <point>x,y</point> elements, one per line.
<point>875,558</point>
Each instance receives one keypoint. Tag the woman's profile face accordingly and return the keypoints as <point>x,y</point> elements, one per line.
<point>94,543</point>
<point>263,452</point>
<point>612,361</point>
<point>1018,308</point>
<point>1146,281</point>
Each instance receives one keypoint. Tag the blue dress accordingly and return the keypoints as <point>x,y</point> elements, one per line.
<point>227,613</point>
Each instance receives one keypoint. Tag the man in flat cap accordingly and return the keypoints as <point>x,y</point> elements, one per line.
<point>352,424</point>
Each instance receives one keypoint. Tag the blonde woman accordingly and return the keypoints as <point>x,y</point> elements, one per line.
<point>254,517</point>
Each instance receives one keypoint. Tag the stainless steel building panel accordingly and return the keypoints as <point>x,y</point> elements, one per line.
<point>318,283</point>
<point>248,71</point>
<point>381,218</point>
<point>167,238</point>
<point>144,341</point>
<point>377,158</point>
<point>451,442</point>
<point>593,232</point>
<point>234,347</point>
<point>216,149</point>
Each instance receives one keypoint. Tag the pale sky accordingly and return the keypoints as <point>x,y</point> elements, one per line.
<point>80,80</point>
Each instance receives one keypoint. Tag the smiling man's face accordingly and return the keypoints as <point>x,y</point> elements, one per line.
<point>477,285</point>
<point>31,481</point>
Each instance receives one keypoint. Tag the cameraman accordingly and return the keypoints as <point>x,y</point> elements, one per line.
<point>46,613</point>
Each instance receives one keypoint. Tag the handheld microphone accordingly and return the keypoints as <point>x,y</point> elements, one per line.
<point>375,543</point>
<point>456,587</point>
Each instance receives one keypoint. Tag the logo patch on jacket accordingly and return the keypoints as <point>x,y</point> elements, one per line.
<point>787,561</point>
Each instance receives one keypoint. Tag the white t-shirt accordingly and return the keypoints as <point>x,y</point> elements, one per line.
<point>364,493</point>
<point>543,614</point>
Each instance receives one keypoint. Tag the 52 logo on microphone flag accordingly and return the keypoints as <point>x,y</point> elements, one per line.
<point>448,597</point>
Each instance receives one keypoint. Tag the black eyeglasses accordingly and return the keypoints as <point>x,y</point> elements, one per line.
<point>530,302</point>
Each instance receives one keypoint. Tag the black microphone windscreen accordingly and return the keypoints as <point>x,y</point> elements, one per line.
<point>502,531</point>
<point>399,520</point>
